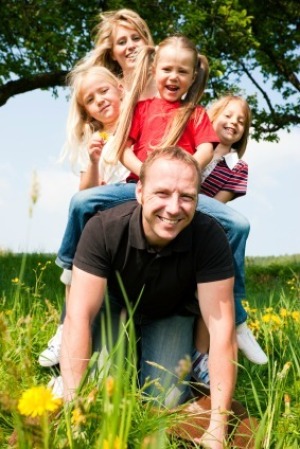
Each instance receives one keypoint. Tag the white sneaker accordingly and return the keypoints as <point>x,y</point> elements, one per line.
<point>57,386</point>
<point>249,346</point>
<point>50,356</point>
<point>66,276</point>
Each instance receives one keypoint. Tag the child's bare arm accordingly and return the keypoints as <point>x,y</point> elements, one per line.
<point>130,160</point>
<point>204,154</point>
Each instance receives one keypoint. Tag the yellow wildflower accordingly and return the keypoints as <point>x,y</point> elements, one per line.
<point>254,325</point>
<point>110,385</point>
<point>77,417</point>
<point>269,309</point>
<point>284,313</point>
<point>104,135</point>
<point>296,315</point>
<point>272,319</point>
<point>38,400</point>
<point>117,444</point>
<point>15,280</point>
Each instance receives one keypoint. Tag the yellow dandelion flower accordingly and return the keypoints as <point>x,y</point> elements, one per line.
<point>104,135</point>
<point>296,315</point>
<point>15,280</point>
<point>276,319</point>
<point>266,318</point>
<point>38,400</point>
<point>283,313</point>
<point>269,309</point>
<point>254,325</point>
<point>117,444</point>
<point>77,417</point>
<point>110,385</point>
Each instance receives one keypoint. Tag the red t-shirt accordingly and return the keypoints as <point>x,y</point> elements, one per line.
<point>151,118</point>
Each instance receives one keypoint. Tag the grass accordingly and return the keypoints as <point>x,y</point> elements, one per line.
<point>109,412</point>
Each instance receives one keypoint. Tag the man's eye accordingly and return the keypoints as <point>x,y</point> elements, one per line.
<point>188,198</point>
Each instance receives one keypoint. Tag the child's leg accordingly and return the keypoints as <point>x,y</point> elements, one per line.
<point>50,356</point>
<point>237,230</point>
<point>83,206</point>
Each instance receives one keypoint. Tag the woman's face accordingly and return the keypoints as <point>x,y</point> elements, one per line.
<point>126,44</point>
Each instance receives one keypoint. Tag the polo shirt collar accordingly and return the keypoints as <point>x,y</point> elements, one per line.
<point>136,237</point>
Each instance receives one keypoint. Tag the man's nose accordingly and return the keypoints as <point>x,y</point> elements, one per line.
<point>173,205</point>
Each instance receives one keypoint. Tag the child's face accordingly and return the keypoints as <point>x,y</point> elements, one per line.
<point>174,72</point>
<point>101,100</point>
<point>126,44</point>
<point>230,124</point>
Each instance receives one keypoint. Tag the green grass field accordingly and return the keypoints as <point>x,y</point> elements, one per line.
<point>109,413</point>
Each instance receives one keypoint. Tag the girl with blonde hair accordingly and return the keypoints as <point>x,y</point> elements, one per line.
<point>174,115</point>
<point>226,178</point>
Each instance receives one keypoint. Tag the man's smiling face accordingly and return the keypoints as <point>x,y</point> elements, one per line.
<point>169,199</point>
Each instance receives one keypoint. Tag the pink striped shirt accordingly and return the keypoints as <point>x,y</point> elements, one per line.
<point>223,177</point>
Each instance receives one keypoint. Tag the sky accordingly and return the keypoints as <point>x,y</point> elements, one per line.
<point>32,132</point>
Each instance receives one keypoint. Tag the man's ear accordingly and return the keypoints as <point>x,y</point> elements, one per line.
<point>138,192</point>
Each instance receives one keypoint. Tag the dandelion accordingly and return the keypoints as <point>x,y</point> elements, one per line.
<point>254,325</point>
<point>104,135</point>
<point>283,313</point>
<point>78,417</point>
<point>296,315</point>
<point>37,401</point>
<point>117,444</point>
<point>272,319</point>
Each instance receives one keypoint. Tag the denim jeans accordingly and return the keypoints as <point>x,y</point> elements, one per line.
<point>164,341</point>
<point>237,229</point>
<point>86,203</point>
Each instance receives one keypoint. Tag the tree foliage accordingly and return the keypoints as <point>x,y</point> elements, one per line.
<point>252,47</point>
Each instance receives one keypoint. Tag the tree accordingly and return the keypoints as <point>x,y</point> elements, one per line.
<point>252,47</point>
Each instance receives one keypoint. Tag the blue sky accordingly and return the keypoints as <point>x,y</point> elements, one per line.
<point>32,127</point>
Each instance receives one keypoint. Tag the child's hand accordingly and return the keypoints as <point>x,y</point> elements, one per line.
<point>97,142</point>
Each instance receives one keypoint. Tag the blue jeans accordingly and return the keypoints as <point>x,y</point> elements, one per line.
<point>164,341</point>
<point>237,229</point>
<point>86,203</point>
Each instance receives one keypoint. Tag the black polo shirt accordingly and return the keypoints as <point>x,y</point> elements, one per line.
<point>113,241</point>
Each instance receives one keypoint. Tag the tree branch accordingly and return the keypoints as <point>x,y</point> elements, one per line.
<point>39,81</point>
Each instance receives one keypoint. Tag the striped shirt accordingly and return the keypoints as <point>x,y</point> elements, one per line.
<point>229,174</point>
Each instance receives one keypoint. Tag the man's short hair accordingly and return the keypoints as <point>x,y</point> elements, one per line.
<point>172,153</point>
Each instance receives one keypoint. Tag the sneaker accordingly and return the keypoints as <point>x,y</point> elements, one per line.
<point>249,346</point>
<point>66,277</point>
<point>200,369</point>
<point>57,386</point>
<point>50,356</point>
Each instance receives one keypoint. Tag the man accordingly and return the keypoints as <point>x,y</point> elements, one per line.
<point>164,248</point>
